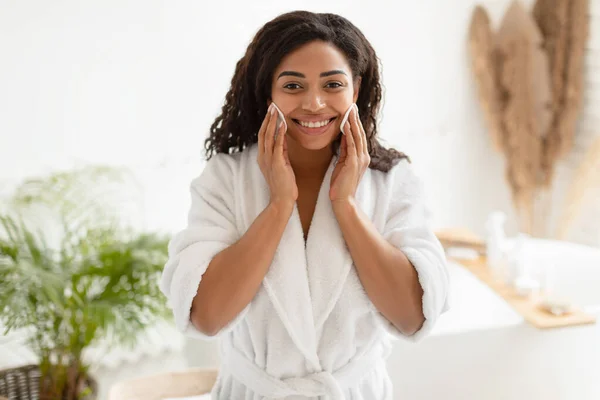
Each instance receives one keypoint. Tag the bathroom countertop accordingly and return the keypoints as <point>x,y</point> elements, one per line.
<point>525,306</point>
<point>473,306</point>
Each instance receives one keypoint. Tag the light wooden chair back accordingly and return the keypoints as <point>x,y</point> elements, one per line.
<point>191,382</point>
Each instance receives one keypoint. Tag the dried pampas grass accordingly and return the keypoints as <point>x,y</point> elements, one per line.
<point>565,27</point>
<point>530,90</point>
<point>586,176</point>
<point>482,47</point>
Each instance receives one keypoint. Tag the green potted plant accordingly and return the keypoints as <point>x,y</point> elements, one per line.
<point>73,272</point>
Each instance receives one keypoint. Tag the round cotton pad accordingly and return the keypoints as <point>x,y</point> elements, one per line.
<point>280,119</point>
<point>346,118</point>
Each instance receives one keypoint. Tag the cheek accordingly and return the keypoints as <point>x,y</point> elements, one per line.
<point>342,102</point>
<point>347,95</point>
<point>285,104</point>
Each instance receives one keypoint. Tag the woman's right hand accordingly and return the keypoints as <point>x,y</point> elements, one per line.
<point>274,161</point>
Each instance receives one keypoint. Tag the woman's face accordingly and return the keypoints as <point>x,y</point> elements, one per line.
<point>314,85</point>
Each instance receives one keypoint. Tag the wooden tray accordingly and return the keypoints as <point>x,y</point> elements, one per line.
<point>526,307</point>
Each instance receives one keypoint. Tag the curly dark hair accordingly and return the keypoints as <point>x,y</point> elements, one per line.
<point>246,101</point>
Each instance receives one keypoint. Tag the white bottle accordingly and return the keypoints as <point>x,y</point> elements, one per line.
<point>518,260</point>
<point>496,244</point>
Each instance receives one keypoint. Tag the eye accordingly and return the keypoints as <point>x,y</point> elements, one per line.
<point>291,84</point>
<point>339,85</point>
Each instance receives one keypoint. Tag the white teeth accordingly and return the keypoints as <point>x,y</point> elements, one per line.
<point>314,124</point>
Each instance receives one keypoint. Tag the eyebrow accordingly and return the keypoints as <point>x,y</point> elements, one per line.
<point>322,75</point>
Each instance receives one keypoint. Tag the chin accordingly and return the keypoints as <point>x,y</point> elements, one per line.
<point>314,142</point>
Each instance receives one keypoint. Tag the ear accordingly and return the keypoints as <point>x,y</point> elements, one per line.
<point>357,82</point>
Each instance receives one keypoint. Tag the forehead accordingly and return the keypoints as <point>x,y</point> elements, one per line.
<point>313,58</point>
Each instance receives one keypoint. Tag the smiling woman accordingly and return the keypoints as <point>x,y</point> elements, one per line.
<point>314,67</point>
<point>308,246</point>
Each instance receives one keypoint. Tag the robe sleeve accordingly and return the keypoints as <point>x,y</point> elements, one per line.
<point>407,227</point>
<point>210,229</point>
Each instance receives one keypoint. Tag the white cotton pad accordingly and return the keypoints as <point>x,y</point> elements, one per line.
<point>280,119</point>
<point>346,118</point>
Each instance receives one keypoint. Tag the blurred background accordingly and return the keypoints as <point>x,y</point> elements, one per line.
<point>136,85</point>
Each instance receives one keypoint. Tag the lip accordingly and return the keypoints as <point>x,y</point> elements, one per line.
<point>315,131</point>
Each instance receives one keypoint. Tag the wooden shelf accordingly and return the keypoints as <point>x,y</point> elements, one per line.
<point>526,307</point>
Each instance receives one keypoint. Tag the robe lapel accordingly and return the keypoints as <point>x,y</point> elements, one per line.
<point>304,281</point>
<point>286,281</point>
<point>328,258</point>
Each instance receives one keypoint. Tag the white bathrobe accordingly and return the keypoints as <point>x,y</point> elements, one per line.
<point>311,331</point>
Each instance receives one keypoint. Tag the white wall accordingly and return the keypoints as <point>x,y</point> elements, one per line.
<point>139,83</point>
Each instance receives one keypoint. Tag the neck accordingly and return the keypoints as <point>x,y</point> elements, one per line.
<point>309,164</point>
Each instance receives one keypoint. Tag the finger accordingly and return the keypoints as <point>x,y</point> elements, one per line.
<point>268,136</point>
<point>364,140</point>
<point>285,150</point>
<point>356,132</point>
<point>350,148</point>
<point>279,144</point>
<point>261,133</point>
<point>343,152</point>
<point>363,135</point>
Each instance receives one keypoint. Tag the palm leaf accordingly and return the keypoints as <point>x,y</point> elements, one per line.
<point>96,279</point>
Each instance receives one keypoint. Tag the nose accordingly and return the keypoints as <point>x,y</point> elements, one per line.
<point>313,101</point>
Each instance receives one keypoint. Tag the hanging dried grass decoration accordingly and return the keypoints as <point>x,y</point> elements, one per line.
<point>529,76</point>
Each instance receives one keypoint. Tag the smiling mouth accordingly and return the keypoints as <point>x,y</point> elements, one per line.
<point>316,127</point>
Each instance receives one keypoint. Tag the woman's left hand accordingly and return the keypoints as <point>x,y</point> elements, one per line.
<point>353,162</point>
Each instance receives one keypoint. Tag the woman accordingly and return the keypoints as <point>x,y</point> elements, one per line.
<point>307,249</point>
